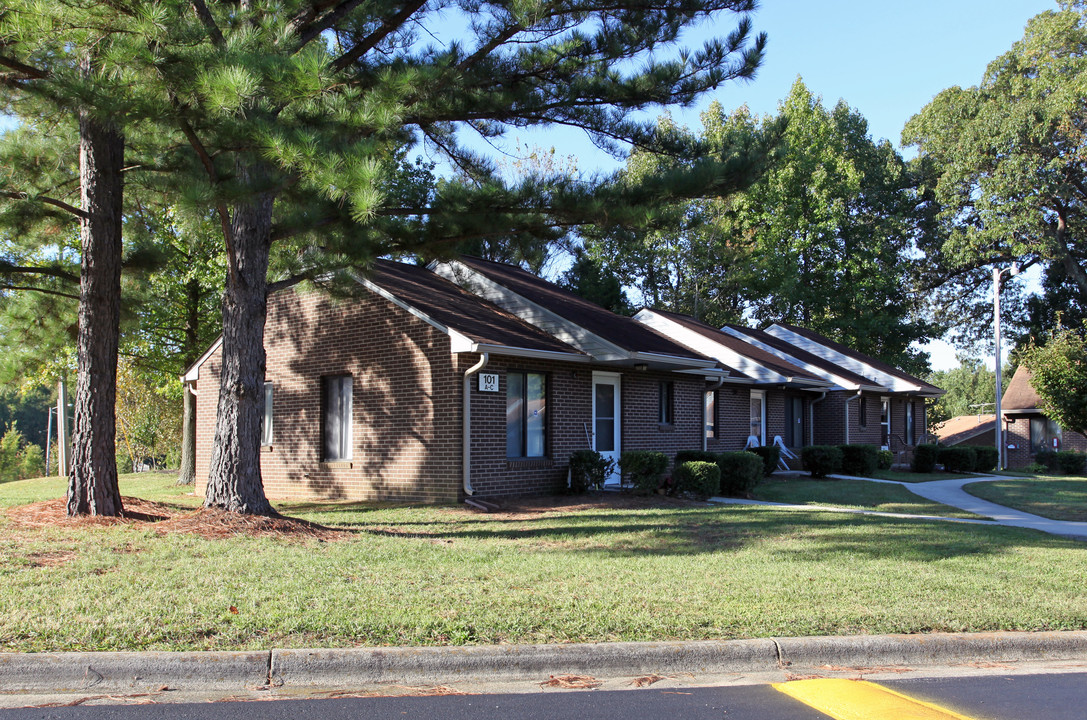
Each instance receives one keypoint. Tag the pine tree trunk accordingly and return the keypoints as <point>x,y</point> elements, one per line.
<point>234,480</point>
<point>92,485</point>
<point>187,472</point>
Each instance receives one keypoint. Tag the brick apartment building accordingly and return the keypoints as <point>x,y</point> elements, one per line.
<point>477,378</point>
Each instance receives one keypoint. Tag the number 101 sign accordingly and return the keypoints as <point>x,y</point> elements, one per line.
<point>488,382</point>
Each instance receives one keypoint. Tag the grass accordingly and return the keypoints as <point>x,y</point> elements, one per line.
<point>858,494</point>
<point>1059,498</point>
<point>912,477</point>
<point>426,575</point>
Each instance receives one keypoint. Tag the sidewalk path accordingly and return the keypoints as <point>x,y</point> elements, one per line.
<point>947,492</point>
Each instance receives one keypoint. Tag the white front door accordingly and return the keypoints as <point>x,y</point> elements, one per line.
<point>606,422</point>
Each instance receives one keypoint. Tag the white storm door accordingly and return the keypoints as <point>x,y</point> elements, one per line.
<point>606,418</point>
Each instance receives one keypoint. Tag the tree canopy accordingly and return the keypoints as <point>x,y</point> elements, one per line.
<point>292,124</point>
<point>1005,165</point>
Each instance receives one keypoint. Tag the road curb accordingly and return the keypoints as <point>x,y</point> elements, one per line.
<point>131,671</point>
<point>357,667</point>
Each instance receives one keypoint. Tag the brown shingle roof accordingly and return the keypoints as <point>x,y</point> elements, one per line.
<point>959,429</point>
<point>460,310</point>
<point>1020,395</point>
<point>867,359</point>
<point>624,332</point>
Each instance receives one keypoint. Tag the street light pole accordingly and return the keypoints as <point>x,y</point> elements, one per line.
<point>998,274</point>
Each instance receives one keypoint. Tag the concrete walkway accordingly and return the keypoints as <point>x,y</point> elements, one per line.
<point>946,492</point>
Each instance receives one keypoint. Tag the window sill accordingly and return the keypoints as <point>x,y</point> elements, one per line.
<point>267,448</point>
<point>337,465</point>
<point>540,463</point>
<point>666,427</point>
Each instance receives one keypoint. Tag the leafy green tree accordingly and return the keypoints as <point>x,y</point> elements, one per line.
<point>587,279</point>
<point>822,237</point>
<point>1058,373</point>
<point>971,390</point>
<point>1005,162</point>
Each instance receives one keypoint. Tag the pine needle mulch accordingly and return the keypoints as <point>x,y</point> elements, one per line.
<point>208,523</point>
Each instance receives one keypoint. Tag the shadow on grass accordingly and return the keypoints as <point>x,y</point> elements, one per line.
<point>660,532</point>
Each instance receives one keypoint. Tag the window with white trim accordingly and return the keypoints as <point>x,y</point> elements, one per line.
<point>885,422</point>
<point>758,416</point>
<point>266,418</point>
<point>711,413</point>
<point>336,417</point>
<point>526,414</point>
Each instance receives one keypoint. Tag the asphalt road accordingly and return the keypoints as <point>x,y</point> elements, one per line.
<point>1017,697</point>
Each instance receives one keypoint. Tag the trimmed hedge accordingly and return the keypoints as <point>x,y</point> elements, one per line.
<point>821,460</point>
<point>588,469</point>
<point>700,479</point>
<point>645,468</point>
<point>986,458</point>
<point>770,455</point>
<point>959,458</point>
<point>740,472</point>
<point>862,460</point>
<point>886,459</point>
<point>924,458</point>
<point>695,455</point>
<point>1061,462</point>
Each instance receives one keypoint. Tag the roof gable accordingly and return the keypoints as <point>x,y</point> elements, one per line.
<point>820,367</point>
<point>1020,394</point>
<point>583,324</point>
<point>856,362</point>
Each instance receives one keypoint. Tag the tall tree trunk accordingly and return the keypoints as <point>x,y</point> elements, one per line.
<point>187,473</point>
<point>92,485</point>
<point>234,480</point>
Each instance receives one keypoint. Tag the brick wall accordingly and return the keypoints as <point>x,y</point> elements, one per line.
<point>405,404</point>
<point>1018,434</point>
<point>406,408</point>
<point>733,418</point>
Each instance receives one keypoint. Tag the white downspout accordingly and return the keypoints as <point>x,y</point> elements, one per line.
<point>811,416</point>
<point>466,440</point>
<point>847,401</point>
<point>715,388</point>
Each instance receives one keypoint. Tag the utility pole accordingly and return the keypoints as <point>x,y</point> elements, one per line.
<point>998,275</point>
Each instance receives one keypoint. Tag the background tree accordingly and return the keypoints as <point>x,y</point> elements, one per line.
<point>971,390</point>
<point>587,279</point>
<point>1058,373</point>
<point>1005,160</point>
<point>823,238</point>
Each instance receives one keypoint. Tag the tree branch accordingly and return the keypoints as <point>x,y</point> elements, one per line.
<point>206,17</point>
<point>307,33</point>
<point>48,272</point>
<point>30,288</point>
<point>387,28</point>
<point>29,71</point>
<point>15,195</point>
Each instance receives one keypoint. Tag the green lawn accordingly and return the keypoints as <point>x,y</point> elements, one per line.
<point>1059,498</point>
<point>618,569</point>
<point>912,477</point>
<point>853,494</point>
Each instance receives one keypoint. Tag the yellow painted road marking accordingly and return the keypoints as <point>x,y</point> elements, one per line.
<point>844,699</point>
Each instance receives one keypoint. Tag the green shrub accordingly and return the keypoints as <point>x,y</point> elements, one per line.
<point>924,458</point>
<point>696,455</point>
<point>589,469</point>
<point>771,455</point>
<point>821,460</point>
<point>740,472</point>
<point>1035,468</point>
<point>886,459</point>
<point>986,458</point>
<point>700,479</point>
<point>644,468</point>
<point>1070,462</point>
<point>1047,458</point>
<point>958,458</point>
<point>859,460</point>
<point>31,461</point>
